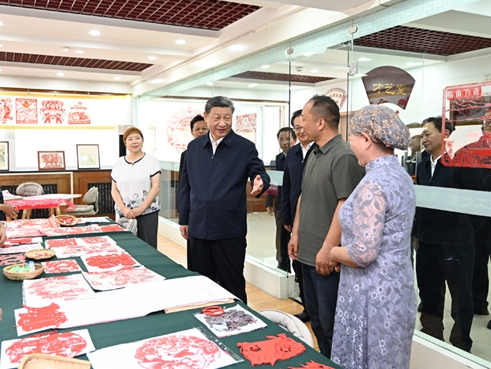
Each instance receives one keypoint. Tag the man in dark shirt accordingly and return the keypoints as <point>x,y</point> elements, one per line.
<point>212,197</point>
<point>446,250</point>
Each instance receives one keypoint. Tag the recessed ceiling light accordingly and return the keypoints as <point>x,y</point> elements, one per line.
<point>236,48</point>
<point>314,71</point>
<point>157,80</point>
<point>209,83</point>
<point>1,23</point>
<point>413,64</point>
<point>253,85</point>
<point>95,32</point>
<point>310,53</point>
<point>152,57</point>
<point>0,70</point>
<point>60,74</point>
<point>79,52</point>
<point>1,45</point>
<point>65,49</point>
<point>117,78</point>
<point>181,42</point>
<point>265,66</point>
<point>363,59</point>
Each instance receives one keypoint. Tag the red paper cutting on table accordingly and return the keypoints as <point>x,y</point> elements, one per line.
<point>312,365</point>
<point>62,242</point>
<point>112,228</point>
<point>61,266</point>
<point>12,259</point>
<point>271,350</point>
<point>177,352</point>
<point>61,287</point>
<point>110,261</point>
<point>66,344</point>
<point>38,318</point>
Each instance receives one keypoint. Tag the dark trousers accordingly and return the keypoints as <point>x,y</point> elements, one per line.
<point>222,261</point>
<point>436,264</point>
<point>321,293</point>
<point>282,239</point>
<point>480,281</point>
<point>297,267</point>
<point>148,226</point>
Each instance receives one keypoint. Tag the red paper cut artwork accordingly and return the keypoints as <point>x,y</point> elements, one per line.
<point>271,350</point>
<point>246,126</point>
<point>78,114</point>
<point>93,228</point>
<point>177,352</point>
<point>66,344</point>
<point>62,242</point>
<point>119,278</point>
<point>177,129</point>
<point>52,112</point>
<point>312,365</point>
<point>6,110</point>
<point>39,318</point>
<point>61,266</point>
<point>110,261</point>
<point>11,259</point>
<point>22,228</point>
<point>20,241</point>
<point>26,111</point>
<point>61,287</point>
<point>112,228</point>
<point>92,240</point>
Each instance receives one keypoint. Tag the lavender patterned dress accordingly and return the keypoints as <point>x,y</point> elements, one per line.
<point>376,308</point>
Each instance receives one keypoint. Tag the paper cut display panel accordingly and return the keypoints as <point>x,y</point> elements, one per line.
<point>61,266</point>
<point>468,105</point>
<point>234,321</point>
<point>39,292</point>
<point>21,228</point>
<point>104,281</point>
<point>188,349</point>
<point>68,344</point>
<point>73,247</point>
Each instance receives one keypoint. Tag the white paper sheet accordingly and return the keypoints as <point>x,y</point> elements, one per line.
<point>125,303</point>
<point>105,281</point>
<point>94,220</point>
<point>20,249</point>
<point>68,344</point>
<point>235,320</point>
<point>185,349</point>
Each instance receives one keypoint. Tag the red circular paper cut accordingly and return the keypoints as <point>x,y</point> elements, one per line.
<point>177,351</point>
<point>57,288</point>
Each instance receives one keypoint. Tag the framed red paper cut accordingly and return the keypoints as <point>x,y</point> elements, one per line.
<point>51,160</point>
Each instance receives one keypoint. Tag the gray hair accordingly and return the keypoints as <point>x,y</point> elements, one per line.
<point>219,102</point>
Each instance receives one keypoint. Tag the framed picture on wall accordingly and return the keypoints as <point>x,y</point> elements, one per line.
<point>4,155</point>
<point>51,160</point>
<point>88,157</point>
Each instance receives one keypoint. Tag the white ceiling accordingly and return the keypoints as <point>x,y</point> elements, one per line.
<point>48,33</point>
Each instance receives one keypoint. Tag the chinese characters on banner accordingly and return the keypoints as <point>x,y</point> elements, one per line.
<point>388,85</point>
<point>468,104</point>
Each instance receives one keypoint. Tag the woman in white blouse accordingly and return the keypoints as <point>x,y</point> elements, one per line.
<point>136,185</point>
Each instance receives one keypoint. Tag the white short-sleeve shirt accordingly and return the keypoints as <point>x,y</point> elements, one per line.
<point>133,181</point>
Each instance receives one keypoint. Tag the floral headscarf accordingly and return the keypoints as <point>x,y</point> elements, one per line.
<point>381,124</point>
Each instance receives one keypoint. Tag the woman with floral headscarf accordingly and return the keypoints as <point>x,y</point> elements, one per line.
<point>376,307</point>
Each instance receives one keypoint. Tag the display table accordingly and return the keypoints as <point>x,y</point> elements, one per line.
<point>155,324</point>
<point>27,204</point>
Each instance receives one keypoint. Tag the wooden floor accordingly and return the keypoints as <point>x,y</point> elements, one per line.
<point>258,299</point>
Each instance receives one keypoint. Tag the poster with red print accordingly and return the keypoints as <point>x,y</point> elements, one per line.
<point>110,262</point>
<point>37,292</point>
<point>61,266</point>
<point>26,111</point>
<point>104,281</point>
<point>247,125</point>
<point>67,344</point>
<point>6,113</point>
<point>52,112</point>
<point>189,349</point>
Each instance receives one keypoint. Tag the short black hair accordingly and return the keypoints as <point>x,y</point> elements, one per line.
<point>295,115</point>
<point>197,118</point>
<point>437,122</point>
<point>326,108</point>
<point>219,102</point>
<point>287,129</point>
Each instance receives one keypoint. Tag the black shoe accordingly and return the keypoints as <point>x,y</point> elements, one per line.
<point>303,316</point>
<point>489,324</point>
